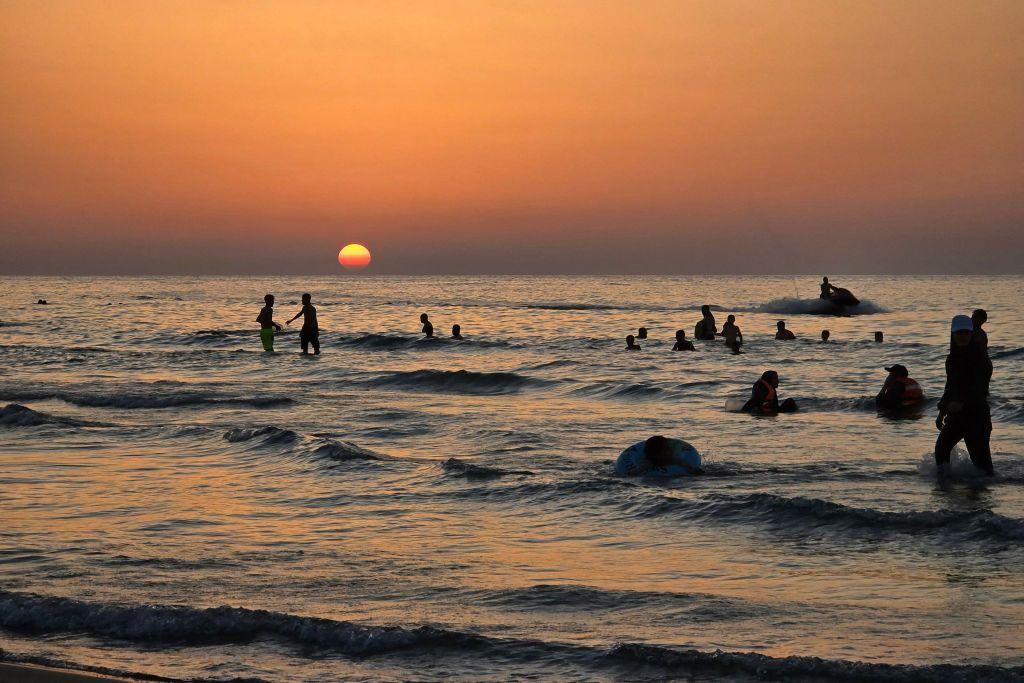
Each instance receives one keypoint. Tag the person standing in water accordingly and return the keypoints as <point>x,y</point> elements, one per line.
<point>732,334</point>
<point>631,344</point>
<point>456,332</point>
<point>682,343</point>
<point>825,334</point>
<point>706,327</point>
<point>963,409</point>
<point>310,333</point>
<point>267,324</point>
<point>783,334</point>
<point>428,327</point>
<point>980,337</point>
<point>641,333</point>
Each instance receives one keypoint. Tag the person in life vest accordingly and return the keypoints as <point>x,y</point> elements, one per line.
<point>899,390</point>
<point>706,328</point>
<point>764,397</point>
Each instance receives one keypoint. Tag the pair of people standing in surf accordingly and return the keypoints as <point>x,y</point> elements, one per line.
<point>308,336</point>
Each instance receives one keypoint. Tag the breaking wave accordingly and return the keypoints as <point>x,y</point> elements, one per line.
<point>154,397</point>
<point>459,381</point>
<point>187,626</point>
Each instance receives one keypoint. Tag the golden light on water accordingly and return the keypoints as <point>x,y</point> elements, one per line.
<point>354,257</point>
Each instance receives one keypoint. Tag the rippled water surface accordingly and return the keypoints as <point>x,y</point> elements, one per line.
<point>179,503</point>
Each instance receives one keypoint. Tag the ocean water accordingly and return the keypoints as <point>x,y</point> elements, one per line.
<point>177,503</point>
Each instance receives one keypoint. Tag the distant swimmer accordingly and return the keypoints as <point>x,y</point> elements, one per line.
<point>641,333</point>
<point>428,327</point>
<point>733,335</point>
<point>963,409</point>
<point>980,337</point>
<point>706,328</point>
<point>310,333</point>
<point>267,324</point>
<point>659,456</point>
<point>41,302</point>
<point>825,334</point>
<point>899,390</point>
<point>826,289</point>
<point>682,343</point>
<point>631,344</point>
<point>456,331</point>
<point>783,334</point>
<point>879,337</point>
<point>764,397</point>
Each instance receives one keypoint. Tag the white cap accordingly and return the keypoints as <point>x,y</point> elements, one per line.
<point>961,323</point>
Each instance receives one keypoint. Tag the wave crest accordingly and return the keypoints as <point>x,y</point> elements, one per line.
<point>459,381</point>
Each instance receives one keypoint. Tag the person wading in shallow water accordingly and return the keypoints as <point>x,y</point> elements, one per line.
<point>310,333</point>
<point>428,327</point>
<point>963,409</point>
<point>267,324</point>
<point>706,327</point>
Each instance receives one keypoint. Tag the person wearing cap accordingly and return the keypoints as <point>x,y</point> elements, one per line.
<point>963,409</point>
<point>899,390</point>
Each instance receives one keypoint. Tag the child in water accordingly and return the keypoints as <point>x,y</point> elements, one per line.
<point>682,343</point>
<point>732,334</point>
<point>428,327</point>
<point>267,324</point>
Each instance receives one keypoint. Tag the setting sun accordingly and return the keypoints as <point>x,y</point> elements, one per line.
<point>354,257</point>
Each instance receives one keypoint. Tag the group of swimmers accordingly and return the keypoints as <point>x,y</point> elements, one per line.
<point>963,410</point>
<point>706,329</point>
<point>963,415</point>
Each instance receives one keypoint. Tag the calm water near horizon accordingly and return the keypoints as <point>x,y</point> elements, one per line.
<point>178,503</point>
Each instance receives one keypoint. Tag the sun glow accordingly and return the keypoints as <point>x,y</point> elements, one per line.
<point>354,257</point>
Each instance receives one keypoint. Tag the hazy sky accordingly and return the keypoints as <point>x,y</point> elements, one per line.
<point>239,136</point>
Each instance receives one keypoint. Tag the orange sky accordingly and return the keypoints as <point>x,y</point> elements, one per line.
<point>231,136</point>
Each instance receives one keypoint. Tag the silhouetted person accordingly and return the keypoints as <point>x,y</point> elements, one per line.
<point>825,334</point>
<point>658,452</point>
<point>641,333</point>
<point>899,390</point>
<point>732,334</point>
<point>682,343</point>
<point>980,337</point>
<point>878,337</point>
<point>631,343</point>
<point>764,397</point>
<point>428,327</point>
<point>826,289</point>
<point>963,409</point>
<point>310,333</point>
<point>267,324</point>
<point>456,332</point>
<point>706,328</point>
<point>783,334</point>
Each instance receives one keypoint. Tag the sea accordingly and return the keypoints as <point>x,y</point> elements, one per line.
<point>177,503</point>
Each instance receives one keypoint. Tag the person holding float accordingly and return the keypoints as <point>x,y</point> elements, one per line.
<point>659,456</point>
<point>899,390</point>
<point>963,409</point>
<point>764,397</point>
